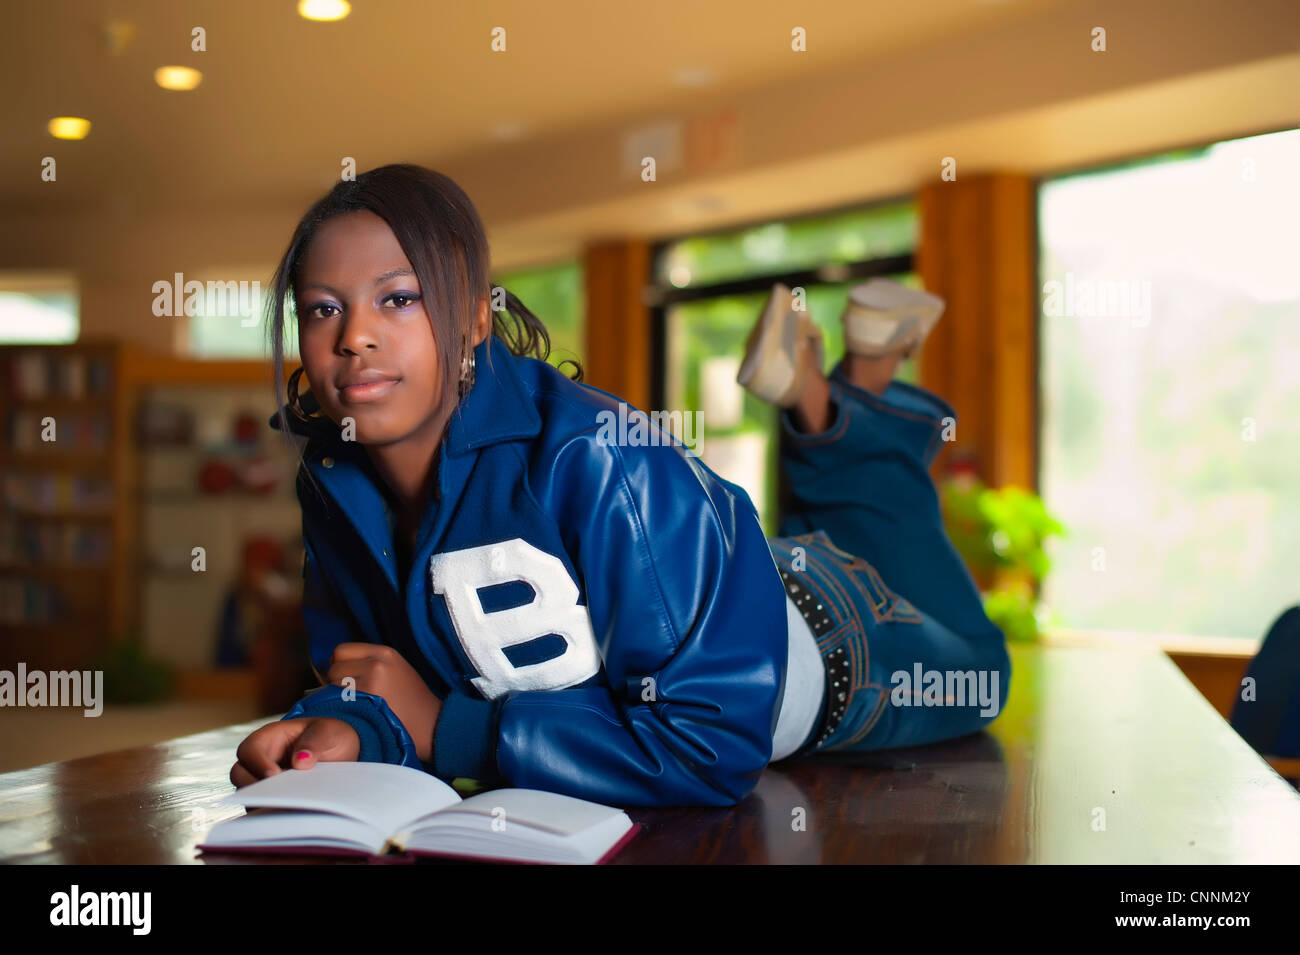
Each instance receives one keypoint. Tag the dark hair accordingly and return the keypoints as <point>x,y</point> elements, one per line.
<point>441,233</point>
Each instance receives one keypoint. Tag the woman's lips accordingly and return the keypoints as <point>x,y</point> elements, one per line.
<point>367,391</point>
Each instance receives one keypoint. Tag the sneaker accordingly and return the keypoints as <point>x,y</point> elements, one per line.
<point>781,352</point>
<point>883,317</point>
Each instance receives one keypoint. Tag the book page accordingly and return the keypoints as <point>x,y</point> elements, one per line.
<point>288,827</point>
<point>537,809</point>
<point>380,794</point>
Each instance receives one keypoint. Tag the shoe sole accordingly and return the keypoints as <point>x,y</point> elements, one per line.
<point>769,368</point>
<point>881,319</point>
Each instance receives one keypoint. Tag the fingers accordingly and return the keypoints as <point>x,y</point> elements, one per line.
<point>357,669</point>
<point>262,751</point>
<point>296,743</point>
<point>360,651</point>
<point>358,661</point>
<point>328,740</point>
<point>371,667</point>
<point>240,776</point>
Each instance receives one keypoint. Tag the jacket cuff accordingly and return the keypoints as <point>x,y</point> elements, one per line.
<point>465,740</point>
<point>383,737</point>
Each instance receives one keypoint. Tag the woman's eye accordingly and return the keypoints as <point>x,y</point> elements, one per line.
<point>401,299</point>
<point>315,309</point>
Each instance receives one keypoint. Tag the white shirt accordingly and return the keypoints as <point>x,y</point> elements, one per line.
<point>805,685</point>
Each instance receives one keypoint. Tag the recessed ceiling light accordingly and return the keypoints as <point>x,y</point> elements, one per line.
<point>694,76</point>
<point>323,10</point>
<point>508,130</point>
<point>69,127</point>
<point>177,77</point>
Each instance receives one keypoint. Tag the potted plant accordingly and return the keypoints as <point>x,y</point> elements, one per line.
<point>1000,534</point>
<point>132,676</point>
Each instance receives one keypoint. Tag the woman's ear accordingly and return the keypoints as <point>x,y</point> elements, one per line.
<point>482,322</point>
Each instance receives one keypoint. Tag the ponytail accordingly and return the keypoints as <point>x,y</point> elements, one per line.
<point>524,334</point>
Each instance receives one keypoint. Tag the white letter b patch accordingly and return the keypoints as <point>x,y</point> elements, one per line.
<point>459,575</point>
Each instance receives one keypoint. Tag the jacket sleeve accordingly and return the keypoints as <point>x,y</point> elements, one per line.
<point>688,613</point>
<point>384,739</point>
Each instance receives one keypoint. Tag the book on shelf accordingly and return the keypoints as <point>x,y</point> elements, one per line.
<point>31,602</point>
<point>72,376</point>
<point>72,431</point>
<point>41,541</point>
<point>396,813</point>
<point>35,374</point>
<point>41,492</point>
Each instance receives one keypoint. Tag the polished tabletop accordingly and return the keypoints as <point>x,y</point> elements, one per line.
<point>1102,756</point>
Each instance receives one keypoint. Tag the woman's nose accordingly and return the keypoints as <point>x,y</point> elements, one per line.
<point>360,332</point>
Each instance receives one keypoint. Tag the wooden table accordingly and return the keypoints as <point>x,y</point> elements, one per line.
<point>1102,755</point>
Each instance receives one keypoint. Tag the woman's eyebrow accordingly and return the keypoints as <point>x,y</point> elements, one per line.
<point>379,280</point>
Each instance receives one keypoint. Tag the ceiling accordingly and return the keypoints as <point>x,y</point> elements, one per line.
<point>283,100</point>
<point>545,136</point>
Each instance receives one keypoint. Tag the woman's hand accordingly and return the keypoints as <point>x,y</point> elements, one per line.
<point>382,671</point>
<point>267,750</point>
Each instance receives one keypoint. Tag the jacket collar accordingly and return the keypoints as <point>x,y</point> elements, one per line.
<point>498,408</point>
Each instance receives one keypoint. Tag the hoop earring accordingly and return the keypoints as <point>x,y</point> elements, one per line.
<point>295,403</point>
<point>467,374</point>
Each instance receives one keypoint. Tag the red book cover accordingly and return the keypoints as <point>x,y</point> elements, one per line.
<point>398,858</point>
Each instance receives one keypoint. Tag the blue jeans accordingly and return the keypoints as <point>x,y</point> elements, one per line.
<point>863,533</point>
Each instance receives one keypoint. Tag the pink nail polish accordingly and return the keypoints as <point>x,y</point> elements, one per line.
<point>301,754</point>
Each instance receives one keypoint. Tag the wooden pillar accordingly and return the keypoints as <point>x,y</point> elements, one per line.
<point>617,333</point>
<point>978,250</point>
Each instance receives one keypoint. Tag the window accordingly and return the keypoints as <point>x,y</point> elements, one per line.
<point>714,288</point>
<point>1170,375</point>
<point>773,248</point>
<point>555,295</point>
<point>224,315</point>
<point>39,308</point>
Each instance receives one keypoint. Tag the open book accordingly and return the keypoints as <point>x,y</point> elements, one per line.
<point>382,810</point>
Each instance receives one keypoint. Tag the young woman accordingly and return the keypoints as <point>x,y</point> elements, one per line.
<point>495,590</point>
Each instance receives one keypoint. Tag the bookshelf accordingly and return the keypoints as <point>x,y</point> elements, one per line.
<point>175,609</point>
<point>83,514</point>
<point>63,477</point>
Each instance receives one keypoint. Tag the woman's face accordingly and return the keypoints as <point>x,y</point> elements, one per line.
<point>365,339</point>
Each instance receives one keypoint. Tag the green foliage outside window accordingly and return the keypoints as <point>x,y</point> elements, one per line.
<point>555,295</point>
<point>772,248</point>
<point>1168,432</point>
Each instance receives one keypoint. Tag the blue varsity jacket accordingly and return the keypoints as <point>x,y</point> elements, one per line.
<point>600,619</point>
